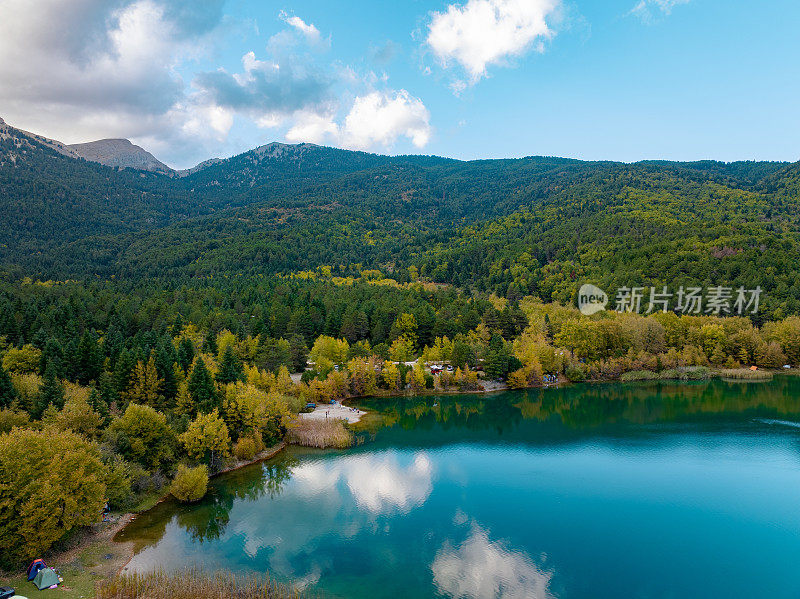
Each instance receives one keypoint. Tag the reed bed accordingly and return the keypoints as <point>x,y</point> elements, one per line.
<point>697,373</point>
<point>193,583</point>
<point>320,433</point>
<point>745,374</point>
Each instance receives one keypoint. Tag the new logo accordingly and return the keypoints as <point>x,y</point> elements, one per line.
<point>591,299</point>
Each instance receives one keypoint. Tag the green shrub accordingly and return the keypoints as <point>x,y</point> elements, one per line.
<point>10,418</point>
<point>119,491</point>
<point>576,373</point>
<point>245,449</point>
<point>190,484</point>
<point>695,373</point>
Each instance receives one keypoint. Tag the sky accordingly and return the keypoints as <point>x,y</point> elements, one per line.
<point>591,79</point>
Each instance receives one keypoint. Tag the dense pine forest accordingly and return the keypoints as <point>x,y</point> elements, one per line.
<point>155,327</point>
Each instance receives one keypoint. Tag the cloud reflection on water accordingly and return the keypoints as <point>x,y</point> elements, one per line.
<point>378,483</point>
<point>480,568</point>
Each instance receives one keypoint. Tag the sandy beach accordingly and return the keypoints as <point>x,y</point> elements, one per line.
<point>336,410</point>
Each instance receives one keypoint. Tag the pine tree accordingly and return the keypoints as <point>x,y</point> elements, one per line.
<point>166,357</point>
<point>185,353</point>
<point>299,352</point>
<point>105,388</point>
<point>123,371</point>
<point>201,388</point>
<point>99,405</point>
<point>7,391</point>
<point>70,366</point>
<point>89,360</point>
<point>52,352</point>
<point>210,343</point>
<point>51,393</point>
<point>230,370</point>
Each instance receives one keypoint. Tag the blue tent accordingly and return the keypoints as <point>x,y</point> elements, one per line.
<point>34,568</point>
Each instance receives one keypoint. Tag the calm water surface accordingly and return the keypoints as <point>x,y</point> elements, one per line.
<point>641,491</point>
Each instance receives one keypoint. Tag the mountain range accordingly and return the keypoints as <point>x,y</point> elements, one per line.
<point>535,225</point>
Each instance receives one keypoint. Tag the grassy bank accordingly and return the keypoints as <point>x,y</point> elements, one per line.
<point>193,584</point>
<point>697,373</point>
<point>746,374</point>
<point>84,560</point>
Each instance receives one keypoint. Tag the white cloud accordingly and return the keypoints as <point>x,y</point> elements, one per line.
<point>487,32</point>
<point>86,69</point>
<point>381,117</point>
<point>313,128</point>
<point>647,10</point>
<point>482,568</point>
<point>307,29</point>
<point>78,70</point>
<point>375,120</point>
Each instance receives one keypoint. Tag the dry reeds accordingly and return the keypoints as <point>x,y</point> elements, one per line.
<point>311,432</point>
<point>193,583</point>
<point>746,374</point>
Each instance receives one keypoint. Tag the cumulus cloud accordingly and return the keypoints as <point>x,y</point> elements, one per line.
<point>307,29</point>
<point>84,69</point>
<point>488,32</point>
<point>375,119</point>
<point>480,567</point>
<point>648,10</point>
<point>266,87</point>
<point>78,70</point>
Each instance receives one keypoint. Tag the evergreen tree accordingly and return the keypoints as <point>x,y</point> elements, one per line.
<point>7,391</point>
<point>97,404</point>
<point>230,370</point>
<point>51,392</point>
<point>105,387</point>
<point>126,362</point>
<point>185,353</point>
<point>52,352</point>
<point>201,388</point>
<point>210,343</point>
<point>299,353</point>
<point>70,366</point>
<point>166,357</point>
<point>89,360</point>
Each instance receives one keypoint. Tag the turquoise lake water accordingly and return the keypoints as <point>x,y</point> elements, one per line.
<point>655,490</point>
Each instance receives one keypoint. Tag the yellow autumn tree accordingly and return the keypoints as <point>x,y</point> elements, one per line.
<point>207,438</point>
<point>145,385</point>
<point>51,482</point>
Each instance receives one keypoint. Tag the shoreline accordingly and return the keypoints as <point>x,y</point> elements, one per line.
<point>102,534</point>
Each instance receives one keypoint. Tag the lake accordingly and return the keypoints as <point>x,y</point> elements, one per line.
<point>639,490</point>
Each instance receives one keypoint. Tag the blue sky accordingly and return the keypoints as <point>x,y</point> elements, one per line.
<point>617,80</point>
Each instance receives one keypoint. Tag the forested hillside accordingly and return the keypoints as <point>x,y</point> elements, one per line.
<point>533,226</point>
